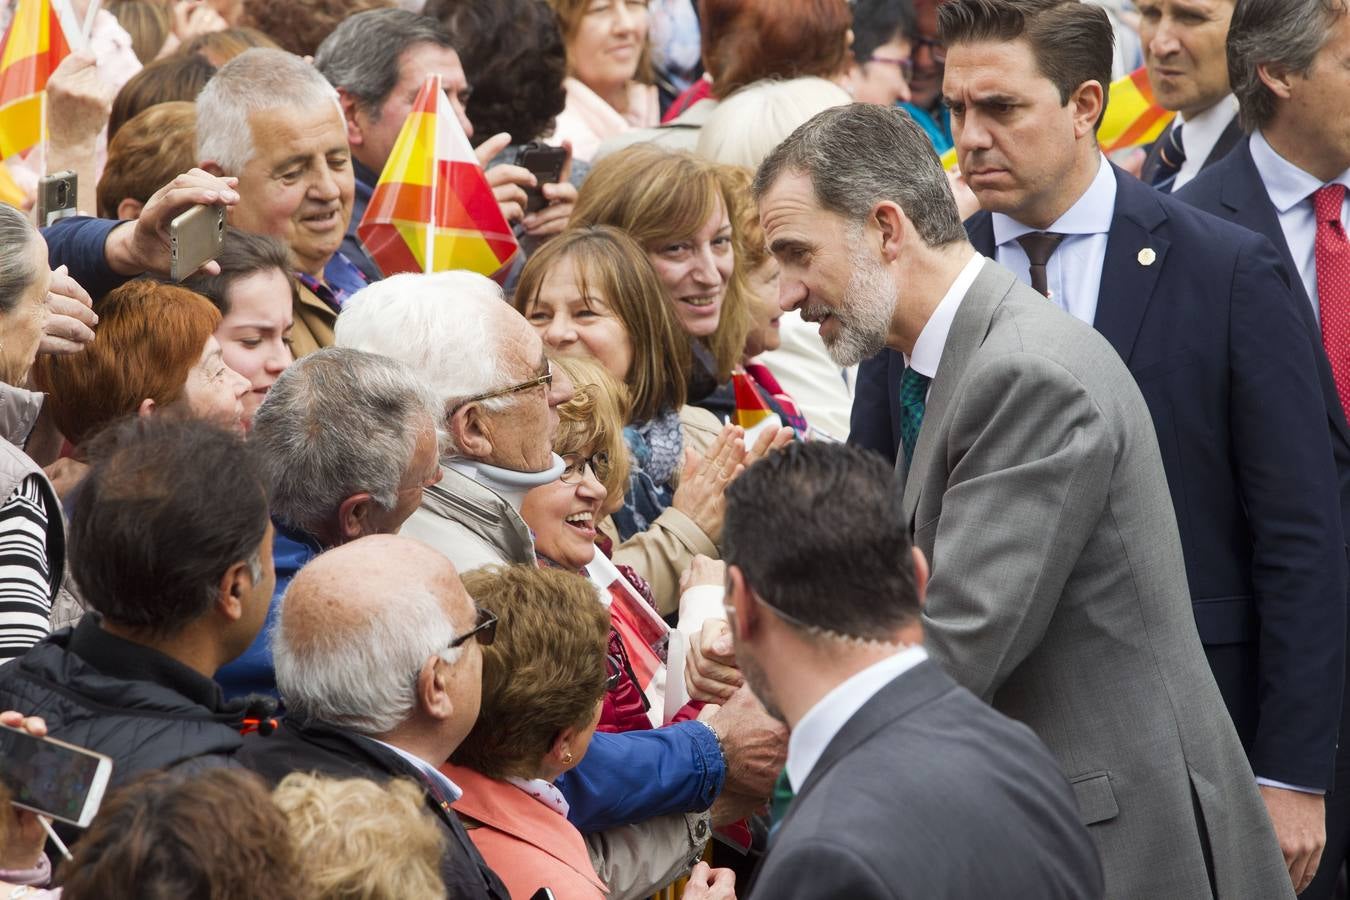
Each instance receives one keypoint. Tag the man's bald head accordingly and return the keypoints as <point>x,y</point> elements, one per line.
<point>359,623</point>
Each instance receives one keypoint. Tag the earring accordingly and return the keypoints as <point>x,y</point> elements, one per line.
<point>567,757</point>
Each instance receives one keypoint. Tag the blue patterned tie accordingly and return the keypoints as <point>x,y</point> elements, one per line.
<point>913,398</point>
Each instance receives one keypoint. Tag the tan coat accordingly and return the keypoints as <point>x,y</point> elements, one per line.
<point>314,321</point>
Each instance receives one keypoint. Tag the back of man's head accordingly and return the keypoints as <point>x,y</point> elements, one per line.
<point>1072,42</point>
<point>817,535</point>
<point>1283,35</point>
<point>167,508</point>
<point>861,154</point>
<point>339,422</point>
<point>362,55</point>
<point>255,80</point>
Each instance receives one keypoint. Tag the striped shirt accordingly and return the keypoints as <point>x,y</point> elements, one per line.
<point>25,577</point>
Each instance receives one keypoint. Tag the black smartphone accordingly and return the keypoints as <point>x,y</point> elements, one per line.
<point>546,163</point>
<point>53,778</point>
<point>56,197</point>
<point>542,894</point>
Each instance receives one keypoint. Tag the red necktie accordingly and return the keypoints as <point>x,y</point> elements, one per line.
<point>1331,252</point>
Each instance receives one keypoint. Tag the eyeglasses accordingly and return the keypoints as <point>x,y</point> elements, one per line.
<point>545,379</point>
<point>906,66</point>
<point>936,51</point>
<point>485,629</point>
<point>574,467</point>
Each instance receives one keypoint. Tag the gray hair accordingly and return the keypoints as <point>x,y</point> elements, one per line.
<point>746,126</point>
<point>1289,33</point>
<point>256,80</point>
<point>16,268</point>
<point>861,154</point>
<point>336,423</point>
<point>447,326</point>
<point>364,682</point>
<point>362,54</point>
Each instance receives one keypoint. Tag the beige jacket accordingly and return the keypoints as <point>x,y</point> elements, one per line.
<point>314,321</point>
<point>470,523</point>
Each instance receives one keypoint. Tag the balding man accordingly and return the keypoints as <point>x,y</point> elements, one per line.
<point>271,120</point>
<point>382,683</point>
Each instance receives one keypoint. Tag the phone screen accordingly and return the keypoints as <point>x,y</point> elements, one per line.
<point>46,776</point>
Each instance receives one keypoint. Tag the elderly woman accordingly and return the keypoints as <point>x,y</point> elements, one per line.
<point>591,292</point>
<point>255,293</point>
<point>608,85</point>
<point>544,680</point>
<point>156,353</point>
<point>31,533</point>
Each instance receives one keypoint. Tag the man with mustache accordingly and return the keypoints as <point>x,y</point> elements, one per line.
<point>1031,477</point>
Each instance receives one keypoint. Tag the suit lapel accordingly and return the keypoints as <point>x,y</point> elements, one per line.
<point>1231,137</point>
<point>980,229</point>
<point>1134,258</point>
<point>969,327</point>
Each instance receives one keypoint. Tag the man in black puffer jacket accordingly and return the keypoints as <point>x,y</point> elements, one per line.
<point>171,546</point>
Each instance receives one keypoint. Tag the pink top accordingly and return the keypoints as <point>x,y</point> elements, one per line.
<point>588,121</point>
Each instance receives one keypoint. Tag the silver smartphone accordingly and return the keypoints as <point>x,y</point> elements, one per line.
<point>53,778</point>
<point>56,197</point>
<point>195,238</point>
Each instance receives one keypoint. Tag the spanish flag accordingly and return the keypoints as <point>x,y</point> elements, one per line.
<point>432,209</point>
<point>32,48</point>
<point>1133,118</point>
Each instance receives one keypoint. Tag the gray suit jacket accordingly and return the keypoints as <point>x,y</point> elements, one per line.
<point>1059,594</point>
<point>927,793</point>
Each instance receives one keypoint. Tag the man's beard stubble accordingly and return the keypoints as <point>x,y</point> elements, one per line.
<point>870,300</point>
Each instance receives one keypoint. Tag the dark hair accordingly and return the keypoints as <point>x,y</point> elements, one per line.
<point>818,535</point>
<point>515,58</point>
<point>748,40</point>
<point>301,28</point>
<point>861,153</point>
<point>876,22</point>
<point>1288,32</point>
<point>165,836</point>
<point>243,254</point>
<point>219,47</point>
<point>1072,42</point>
<point>168,506</point>
<point>178,77</point>
<point>364,54</point>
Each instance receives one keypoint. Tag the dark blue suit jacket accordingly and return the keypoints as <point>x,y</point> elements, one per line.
<point>1222,356</point>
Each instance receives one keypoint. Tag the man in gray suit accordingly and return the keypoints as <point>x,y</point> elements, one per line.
<point>906,784</point>
<point>1033,481</point>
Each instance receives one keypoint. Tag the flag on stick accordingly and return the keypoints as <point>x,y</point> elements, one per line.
<point>432,209</point>
<point>753,413</point>
<point>31,50</point>
<point>1133,118</point>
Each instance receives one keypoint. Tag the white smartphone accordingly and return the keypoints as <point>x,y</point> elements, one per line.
<point>53,778</point>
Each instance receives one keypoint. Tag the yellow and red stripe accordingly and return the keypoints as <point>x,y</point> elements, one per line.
<point>33,47</point>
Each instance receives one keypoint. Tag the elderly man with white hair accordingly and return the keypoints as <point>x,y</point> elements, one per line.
<point>272,121</point>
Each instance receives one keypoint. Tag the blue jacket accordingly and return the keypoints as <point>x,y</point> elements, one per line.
<point>623,778</point>
<point>77,241</point>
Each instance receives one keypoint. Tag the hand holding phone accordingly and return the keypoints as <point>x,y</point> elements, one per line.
<point>195,238</point>
<point>545,163</point>
<point>50,777</point>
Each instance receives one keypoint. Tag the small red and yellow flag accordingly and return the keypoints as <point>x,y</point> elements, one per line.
<point>33,47</point>
<point>432,209</point>
<point>1133,118</point>
<point>751,409</point>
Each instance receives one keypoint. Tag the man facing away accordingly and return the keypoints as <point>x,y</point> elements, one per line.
<point>1032,479</point>
<point>906,784</point>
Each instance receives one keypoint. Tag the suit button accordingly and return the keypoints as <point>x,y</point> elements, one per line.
<point>701,830</point>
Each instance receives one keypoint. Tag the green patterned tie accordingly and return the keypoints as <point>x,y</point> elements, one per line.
<point>781,800</point>
<point>913,398</point>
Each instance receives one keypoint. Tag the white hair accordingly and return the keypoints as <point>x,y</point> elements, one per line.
<point>363,680</point>
<point>447,326</point>
<point>259,79</point>
<point>746,126</point>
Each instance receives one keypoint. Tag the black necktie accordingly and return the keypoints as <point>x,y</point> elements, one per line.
<point>1040,246</point>
<point>1171,154</point>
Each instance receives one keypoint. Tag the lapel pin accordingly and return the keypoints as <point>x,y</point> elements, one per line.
<point>1147,256</point>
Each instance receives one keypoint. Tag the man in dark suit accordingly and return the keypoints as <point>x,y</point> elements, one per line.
<point>1288,182</point>
<point>1204,321</point>
<point>1183,44</point>
<point>906,784</point>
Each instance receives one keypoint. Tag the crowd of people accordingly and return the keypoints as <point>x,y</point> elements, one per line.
<point>1027,576</point>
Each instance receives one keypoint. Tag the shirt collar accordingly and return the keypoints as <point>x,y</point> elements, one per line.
<point>827,718</point>
<point>452,790</point>
<point>1204,129</point>
<point>928,348</point>
<point>543,791</point>
<point>1090,214</point>
<point>1287,184</point>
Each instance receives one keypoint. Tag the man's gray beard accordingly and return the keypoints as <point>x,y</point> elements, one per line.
<point>870,300</point>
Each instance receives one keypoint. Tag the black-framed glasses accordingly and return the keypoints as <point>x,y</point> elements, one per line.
<point>574,466</point>
<point>936,50</point>
<point>906,66</point>
<point>485,629</point>
<point>545,379</point>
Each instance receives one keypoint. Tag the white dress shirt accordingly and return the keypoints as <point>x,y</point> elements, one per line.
<point>1290,190</point>
<point>928,346</point>
<point>1200,136</point>
<point>452,790</point>
<point>1074,273</point>
<point>824,720</point>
